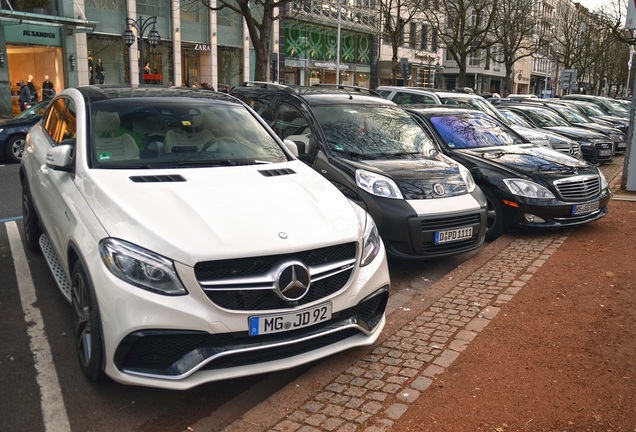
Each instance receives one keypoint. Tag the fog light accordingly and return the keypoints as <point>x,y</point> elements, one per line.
<point>533,218</point>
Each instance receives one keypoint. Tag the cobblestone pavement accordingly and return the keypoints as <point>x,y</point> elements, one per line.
<point>379,387</point>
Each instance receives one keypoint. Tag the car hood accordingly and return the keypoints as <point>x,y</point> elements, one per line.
<point>222,212</point>
<point>416,177</point>
<point>530,161</point>
<point>576,132</point>
<point>604,129</point>
<point>18,122</point>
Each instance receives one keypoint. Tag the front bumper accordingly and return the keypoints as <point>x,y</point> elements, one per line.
<point>542,214</point>
<point>183,341</point>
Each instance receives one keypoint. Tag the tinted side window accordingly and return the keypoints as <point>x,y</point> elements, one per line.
<point>422,99</point>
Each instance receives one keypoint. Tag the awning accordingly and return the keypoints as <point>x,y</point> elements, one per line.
<point>73,25</point>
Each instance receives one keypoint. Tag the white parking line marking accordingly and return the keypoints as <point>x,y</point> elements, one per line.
<point>52,402</point>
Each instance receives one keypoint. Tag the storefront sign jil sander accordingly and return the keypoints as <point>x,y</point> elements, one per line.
<point>29,34</point>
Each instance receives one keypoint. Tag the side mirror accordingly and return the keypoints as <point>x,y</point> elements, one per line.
<point>291,146</point>
<point>60,157</point>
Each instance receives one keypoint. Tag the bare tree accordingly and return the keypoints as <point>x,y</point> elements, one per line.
<point>465,28</point>
<point>259,16</point>
<point>519,33</point>
<point>397,16</point>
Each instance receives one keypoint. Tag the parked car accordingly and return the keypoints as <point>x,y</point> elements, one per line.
<point>576,118</point>
<point>191,243</point>
<point>594,112</point>
<point>412,95</point>
<point>595,147</point>
<point>424,203</point>
<point>526,186</point>
<point>13,131</point>
<point>609,106</point>
<point>558,142</point>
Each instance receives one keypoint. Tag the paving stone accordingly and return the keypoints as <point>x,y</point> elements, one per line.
<point>408,395</point>
<point>433,370</point>
<point>396,411</point>
<point>421,383</point>
<point>446,358</point>
<point>477,324</point>
<point>287,426</point>
<point>332,424</point>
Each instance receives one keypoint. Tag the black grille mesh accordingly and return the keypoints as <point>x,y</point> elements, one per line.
<point>167,352</point>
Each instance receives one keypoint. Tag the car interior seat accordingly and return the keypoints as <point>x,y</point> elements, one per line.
<point>108,146</point>
<point>197,137</point>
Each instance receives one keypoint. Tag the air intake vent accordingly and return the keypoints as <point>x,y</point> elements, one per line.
<point>277,172</point>
<point>157,179</point>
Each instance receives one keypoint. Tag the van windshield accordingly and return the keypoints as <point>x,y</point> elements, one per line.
<point>375,131</point>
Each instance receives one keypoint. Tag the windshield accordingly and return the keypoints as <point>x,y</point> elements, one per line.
<point>570,115</point>
<point>545,118</point>
<point>373,131</point>
<point>593,110</point>
<point>36,111</point>
<point>515,119</point>
<point>173,132</point>
<point>460,131</point>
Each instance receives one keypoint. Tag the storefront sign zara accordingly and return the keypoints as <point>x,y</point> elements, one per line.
<point>202,47</point>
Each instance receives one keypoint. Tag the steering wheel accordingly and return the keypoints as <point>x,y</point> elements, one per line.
<point>220,142</point>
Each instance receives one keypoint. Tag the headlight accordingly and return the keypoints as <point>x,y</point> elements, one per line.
<point>140,267</point>
<point>370,241</point>
<point>616,137</point>
<point>468,178</point>
<point>377,184</point>
<point>584,143</point>
<point>604,184</point>
<point>527,189</point>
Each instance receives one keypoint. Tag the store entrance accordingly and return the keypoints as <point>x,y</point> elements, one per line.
<point>35,61</point>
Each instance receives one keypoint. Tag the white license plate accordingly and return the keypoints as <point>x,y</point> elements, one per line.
<point>275,323</point>
<point>453,235</point>
<point>585,208</point>
<point>604,152</point>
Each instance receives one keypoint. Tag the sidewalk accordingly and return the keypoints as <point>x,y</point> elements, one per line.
<point>383,387</point>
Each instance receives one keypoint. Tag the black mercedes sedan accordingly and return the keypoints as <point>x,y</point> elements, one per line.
<point>526,186</point>
<point>13,131</point>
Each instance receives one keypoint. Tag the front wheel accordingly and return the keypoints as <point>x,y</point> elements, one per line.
<point>494,218</point>
<point>87,327</point>
<point>15,148</point>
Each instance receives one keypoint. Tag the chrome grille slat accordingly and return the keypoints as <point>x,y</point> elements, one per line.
<point>579,188</point>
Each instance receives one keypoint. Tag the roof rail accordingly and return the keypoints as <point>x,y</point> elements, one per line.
<point>348,88</point>
<point>264,84</point>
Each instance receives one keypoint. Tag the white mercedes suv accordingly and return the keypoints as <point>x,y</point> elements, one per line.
<point>191,243</point>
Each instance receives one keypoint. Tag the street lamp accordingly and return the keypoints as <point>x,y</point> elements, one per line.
<point>141,26</point>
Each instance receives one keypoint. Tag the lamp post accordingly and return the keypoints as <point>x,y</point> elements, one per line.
<point>141,26</point>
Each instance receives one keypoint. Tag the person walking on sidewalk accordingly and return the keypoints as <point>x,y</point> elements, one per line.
<point>25,96</point>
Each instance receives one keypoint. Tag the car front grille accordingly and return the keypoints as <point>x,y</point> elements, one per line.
<point>250,283</point>
<point>603,146</point>
<point>579,188</point>
<point>175,353</point>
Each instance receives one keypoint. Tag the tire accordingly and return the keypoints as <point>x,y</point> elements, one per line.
<point>30,221</point>
<point>87,327</point>
<point>494,216</point>
<point>15,148</point>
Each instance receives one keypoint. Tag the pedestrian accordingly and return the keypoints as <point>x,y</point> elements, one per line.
<point>48,91</point>
<point>100,73</point>
<point>34,92</point>
<point>25,96</point>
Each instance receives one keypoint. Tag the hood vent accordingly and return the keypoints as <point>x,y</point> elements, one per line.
<point>158,179</point>
<point>277,172</point>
